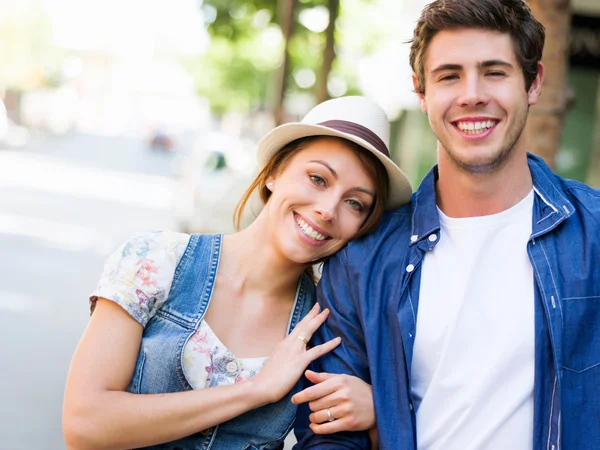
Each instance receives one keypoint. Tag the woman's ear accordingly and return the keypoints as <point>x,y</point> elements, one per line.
<point>270,184</point>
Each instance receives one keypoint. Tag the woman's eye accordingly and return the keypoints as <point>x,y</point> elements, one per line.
<point>317,180</point>
<point>355,205</point>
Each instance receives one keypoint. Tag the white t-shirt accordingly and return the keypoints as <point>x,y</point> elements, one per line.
<point>473,360</point>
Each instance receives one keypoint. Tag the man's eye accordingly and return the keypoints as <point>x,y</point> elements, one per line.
<point>317,180</point>
<point>496,74</point>
<point>448,77</point>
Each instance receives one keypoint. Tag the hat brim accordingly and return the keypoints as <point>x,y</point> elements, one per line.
<point>400,188</point>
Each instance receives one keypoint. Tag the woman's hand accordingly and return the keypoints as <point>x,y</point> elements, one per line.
<point>338,403</point>
<point>285,367</point>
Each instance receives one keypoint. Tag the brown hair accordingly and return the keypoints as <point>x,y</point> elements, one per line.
<point>507,16</point>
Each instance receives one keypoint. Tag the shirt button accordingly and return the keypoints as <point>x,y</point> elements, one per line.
<point>433,237</point>
<point>410,406</point>
<point>410,268</point>
<point>414,238</point>
<point>232,367</point>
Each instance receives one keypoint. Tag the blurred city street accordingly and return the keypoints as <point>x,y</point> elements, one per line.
<point>65,204</point>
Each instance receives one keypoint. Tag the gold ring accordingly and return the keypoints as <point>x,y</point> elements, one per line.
<point>302,338</point>
<point>330,418</point>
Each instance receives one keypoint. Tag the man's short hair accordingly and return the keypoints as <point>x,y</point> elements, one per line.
<point>507,16</point>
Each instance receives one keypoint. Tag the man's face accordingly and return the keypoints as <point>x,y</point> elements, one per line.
<point>475,98</point>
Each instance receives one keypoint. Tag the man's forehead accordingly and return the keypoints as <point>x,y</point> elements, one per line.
<point>468,47</point>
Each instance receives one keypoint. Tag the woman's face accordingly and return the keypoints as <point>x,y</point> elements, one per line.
<point>319,201</point>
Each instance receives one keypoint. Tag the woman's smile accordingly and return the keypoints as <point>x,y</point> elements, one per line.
<point>309,232</point>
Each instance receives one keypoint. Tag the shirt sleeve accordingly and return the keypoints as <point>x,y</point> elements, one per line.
<point>138,275</point>
<point>334,291</point>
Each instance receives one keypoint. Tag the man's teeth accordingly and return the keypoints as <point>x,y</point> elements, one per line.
<point>475,127</point>
<point>309,231</point>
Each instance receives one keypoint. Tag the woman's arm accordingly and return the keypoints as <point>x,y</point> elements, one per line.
<point>99,414</point>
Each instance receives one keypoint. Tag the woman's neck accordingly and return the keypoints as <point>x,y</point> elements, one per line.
<point>250,263</point>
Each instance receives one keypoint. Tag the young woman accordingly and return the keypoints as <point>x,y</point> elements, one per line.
<point>175,354</point>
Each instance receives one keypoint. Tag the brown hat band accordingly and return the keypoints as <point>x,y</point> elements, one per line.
<point>358,131</point>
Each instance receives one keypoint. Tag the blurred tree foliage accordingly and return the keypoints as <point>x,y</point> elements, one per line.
<point>27,56</point>
<point>248,65</point>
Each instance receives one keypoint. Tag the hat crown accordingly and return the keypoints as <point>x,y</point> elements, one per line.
<point>356,109</point>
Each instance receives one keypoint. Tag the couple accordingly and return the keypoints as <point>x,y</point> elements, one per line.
<point>472,309</point>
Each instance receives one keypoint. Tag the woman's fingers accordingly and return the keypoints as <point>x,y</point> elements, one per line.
<point>335,411</point>
<point>327,401</point>
<point>344,397</point>
<point>314,312</point>
<point>320,350</point>
<point>318,377</point>
<point>321,389</point>
<point>343,424</point>
<point>306,328</point>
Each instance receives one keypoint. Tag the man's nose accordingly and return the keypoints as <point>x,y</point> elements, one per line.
<point>474,92</point>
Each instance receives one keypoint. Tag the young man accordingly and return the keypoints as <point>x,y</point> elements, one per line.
<point>474,310</point>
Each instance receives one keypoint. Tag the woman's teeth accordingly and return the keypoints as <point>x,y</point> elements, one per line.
<point>309,231</point>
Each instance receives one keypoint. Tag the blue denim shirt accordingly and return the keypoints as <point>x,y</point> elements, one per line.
<point>159,367</point>
<point>372,288</point>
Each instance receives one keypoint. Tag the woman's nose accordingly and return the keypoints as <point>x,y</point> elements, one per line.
<point>325,208</point>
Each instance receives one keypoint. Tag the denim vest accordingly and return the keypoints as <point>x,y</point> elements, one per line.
<point>159,367</point>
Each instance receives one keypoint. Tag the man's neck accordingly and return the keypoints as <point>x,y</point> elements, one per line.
<point>463,194</point>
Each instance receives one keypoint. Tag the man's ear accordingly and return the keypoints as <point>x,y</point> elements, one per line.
<point>421,96</point>
<point>535,90</point>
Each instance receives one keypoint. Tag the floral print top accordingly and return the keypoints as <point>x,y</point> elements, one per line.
<point>138,277</point>
<point>208,363</point>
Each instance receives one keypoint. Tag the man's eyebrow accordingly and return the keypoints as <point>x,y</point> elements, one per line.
<point>445,67</point>
<point>335,174</point>
<point>481,65</point>
<point>494,62</point>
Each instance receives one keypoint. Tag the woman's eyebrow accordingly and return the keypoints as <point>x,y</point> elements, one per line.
<point>335,175</point>
<point>331,169</point>
<point>366,191</point>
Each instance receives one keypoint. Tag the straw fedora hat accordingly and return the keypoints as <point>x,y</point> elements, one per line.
<point>355,118</point>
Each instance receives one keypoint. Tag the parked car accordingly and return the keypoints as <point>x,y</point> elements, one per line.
<point>212,179</point>
<point>163,141</point>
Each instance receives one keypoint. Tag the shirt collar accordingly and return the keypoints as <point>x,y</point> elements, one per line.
<point>552,205</point>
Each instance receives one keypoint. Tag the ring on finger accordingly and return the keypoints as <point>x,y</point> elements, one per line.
<point>303,339</point>
<point>330,418</point>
